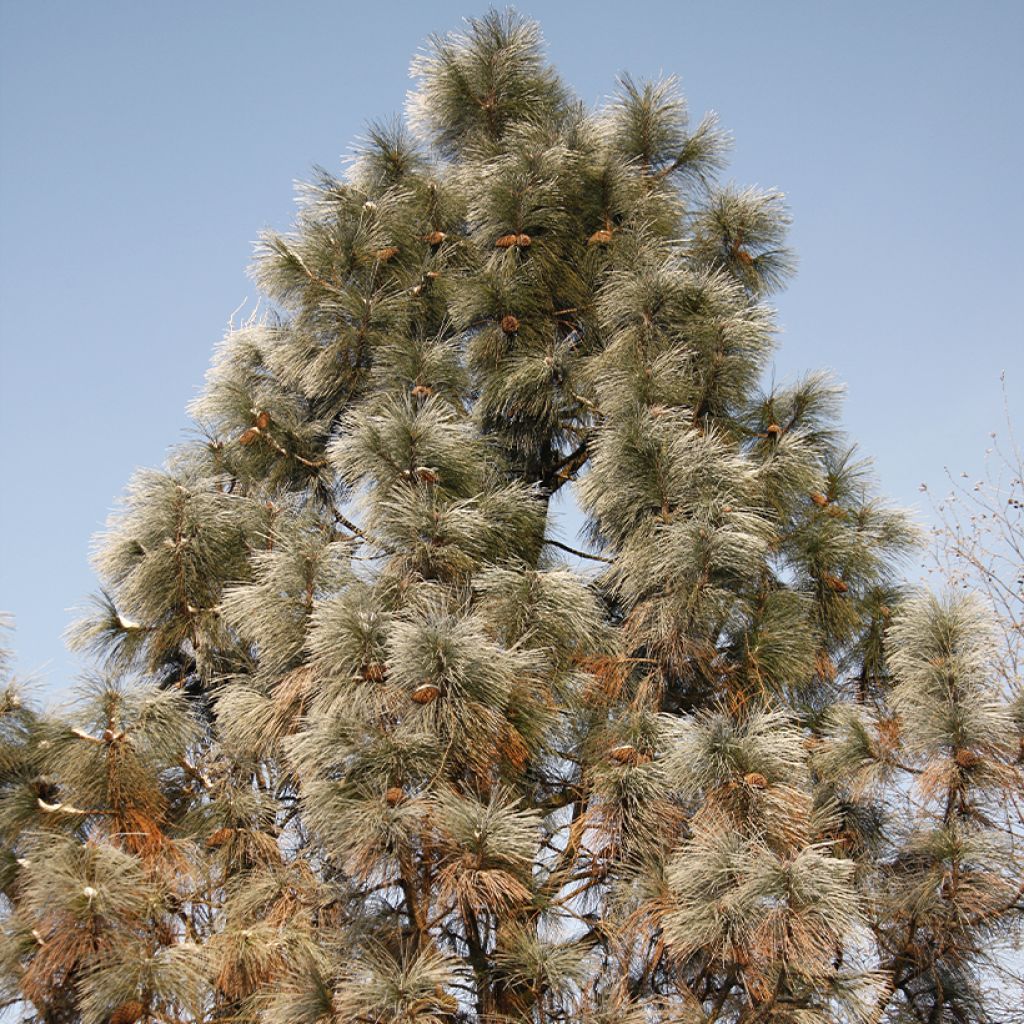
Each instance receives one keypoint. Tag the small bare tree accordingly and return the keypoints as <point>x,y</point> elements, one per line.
<point>978,546</point>
<point>978,539</point>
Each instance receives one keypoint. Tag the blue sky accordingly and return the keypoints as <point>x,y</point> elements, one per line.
<point>144,145</point>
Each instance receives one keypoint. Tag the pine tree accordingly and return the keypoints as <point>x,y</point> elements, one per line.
<point>362,746</point>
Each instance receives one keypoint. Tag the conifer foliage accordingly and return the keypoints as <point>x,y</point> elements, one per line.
<point>367,743</point>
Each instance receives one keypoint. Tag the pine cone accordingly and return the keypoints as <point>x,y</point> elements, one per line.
<point>389,252</point>
<point>625,753</point>
<point>435,238</point>
<point>219,838</point>
<point>425,693</point>
<point>374,671</point>
<point>774,430</point>
<point>834,583</point>
<point>819,499</point>
<point>966,758</point>
<point>127,1013</point>
<point>509,323</point>
<point>755,780</point>
<point>263,419</point>
<point>247,437</point>
<point>422,391</point>
<point>744,257</point>
<point>511,241</point>
<point>394,796</point>
<point>602,237</point>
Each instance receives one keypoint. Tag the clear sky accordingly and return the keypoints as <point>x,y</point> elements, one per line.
<point>144,145</point>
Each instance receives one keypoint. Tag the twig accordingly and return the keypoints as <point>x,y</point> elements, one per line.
<point>577,553</point>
